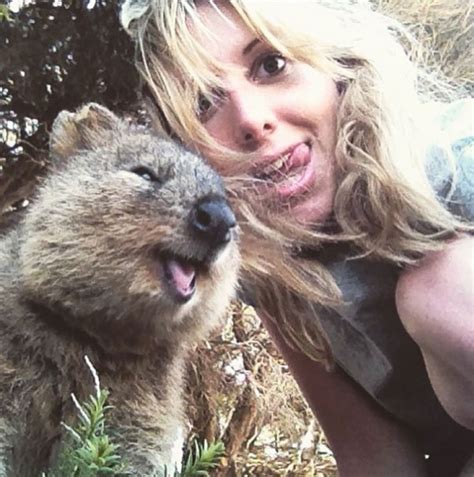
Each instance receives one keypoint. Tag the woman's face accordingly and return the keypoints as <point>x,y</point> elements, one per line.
<point>281,110</point>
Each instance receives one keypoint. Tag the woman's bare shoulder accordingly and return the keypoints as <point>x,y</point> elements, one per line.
<point>441,285</point>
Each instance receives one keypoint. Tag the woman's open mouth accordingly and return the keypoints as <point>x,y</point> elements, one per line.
<point>291,174</point>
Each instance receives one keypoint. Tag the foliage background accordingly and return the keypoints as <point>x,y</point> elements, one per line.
<point>58,54</point>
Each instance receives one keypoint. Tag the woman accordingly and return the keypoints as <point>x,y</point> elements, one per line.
<point>355,234</point>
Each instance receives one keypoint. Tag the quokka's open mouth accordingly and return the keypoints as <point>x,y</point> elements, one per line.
<point>180,275</point>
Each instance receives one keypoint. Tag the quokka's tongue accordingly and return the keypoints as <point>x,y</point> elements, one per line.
<point>182,275</point>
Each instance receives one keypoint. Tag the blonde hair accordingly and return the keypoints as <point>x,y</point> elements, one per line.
<point>384,206</point>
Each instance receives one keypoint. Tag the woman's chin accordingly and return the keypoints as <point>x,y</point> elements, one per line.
<point>312,211</point>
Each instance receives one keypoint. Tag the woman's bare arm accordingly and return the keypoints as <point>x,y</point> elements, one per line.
<point>364,439</point>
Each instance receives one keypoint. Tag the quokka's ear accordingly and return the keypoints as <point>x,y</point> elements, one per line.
<point>83,129</point>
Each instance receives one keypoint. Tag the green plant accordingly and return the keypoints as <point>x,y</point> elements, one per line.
<point>204,458</point>
<point>4,13</point>
<point>90,452</point>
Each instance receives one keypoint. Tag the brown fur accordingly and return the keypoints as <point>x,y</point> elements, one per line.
<point>80,275</point>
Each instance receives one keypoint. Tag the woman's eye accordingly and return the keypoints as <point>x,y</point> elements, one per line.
<point>206,105</point>
<point>145,173</point>
<point>270,65</point>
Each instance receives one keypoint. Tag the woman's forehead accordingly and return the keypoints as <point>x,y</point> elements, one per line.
<point>221,31</point>
<point>227,40</point>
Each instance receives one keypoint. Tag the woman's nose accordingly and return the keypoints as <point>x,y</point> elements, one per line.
<point>254,119</point>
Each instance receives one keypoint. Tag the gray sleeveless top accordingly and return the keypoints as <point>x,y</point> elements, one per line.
<point>367,337</point>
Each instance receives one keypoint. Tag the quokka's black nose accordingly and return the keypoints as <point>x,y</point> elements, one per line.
<point>212,219</point>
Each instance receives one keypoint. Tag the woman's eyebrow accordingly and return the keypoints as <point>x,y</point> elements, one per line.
<point>250,46</point>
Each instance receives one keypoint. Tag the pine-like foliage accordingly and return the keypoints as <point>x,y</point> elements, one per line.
<point>204,458</point>
<point>89,450</point>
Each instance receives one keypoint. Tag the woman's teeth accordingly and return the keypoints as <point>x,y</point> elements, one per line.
<point>274,167</point>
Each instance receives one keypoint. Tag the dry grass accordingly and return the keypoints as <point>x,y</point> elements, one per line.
<point>247,397</point>
<point>445,29</point>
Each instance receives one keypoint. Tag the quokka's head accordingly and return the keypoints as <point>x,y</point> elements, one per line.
<point>129,232</point>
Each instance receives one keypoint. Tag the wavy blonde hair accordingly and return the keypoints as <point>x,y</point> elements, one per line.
<point>384,206</point>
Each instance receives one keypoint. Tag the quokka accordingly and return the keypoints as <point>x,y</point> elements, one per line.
<point>127,254</point>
